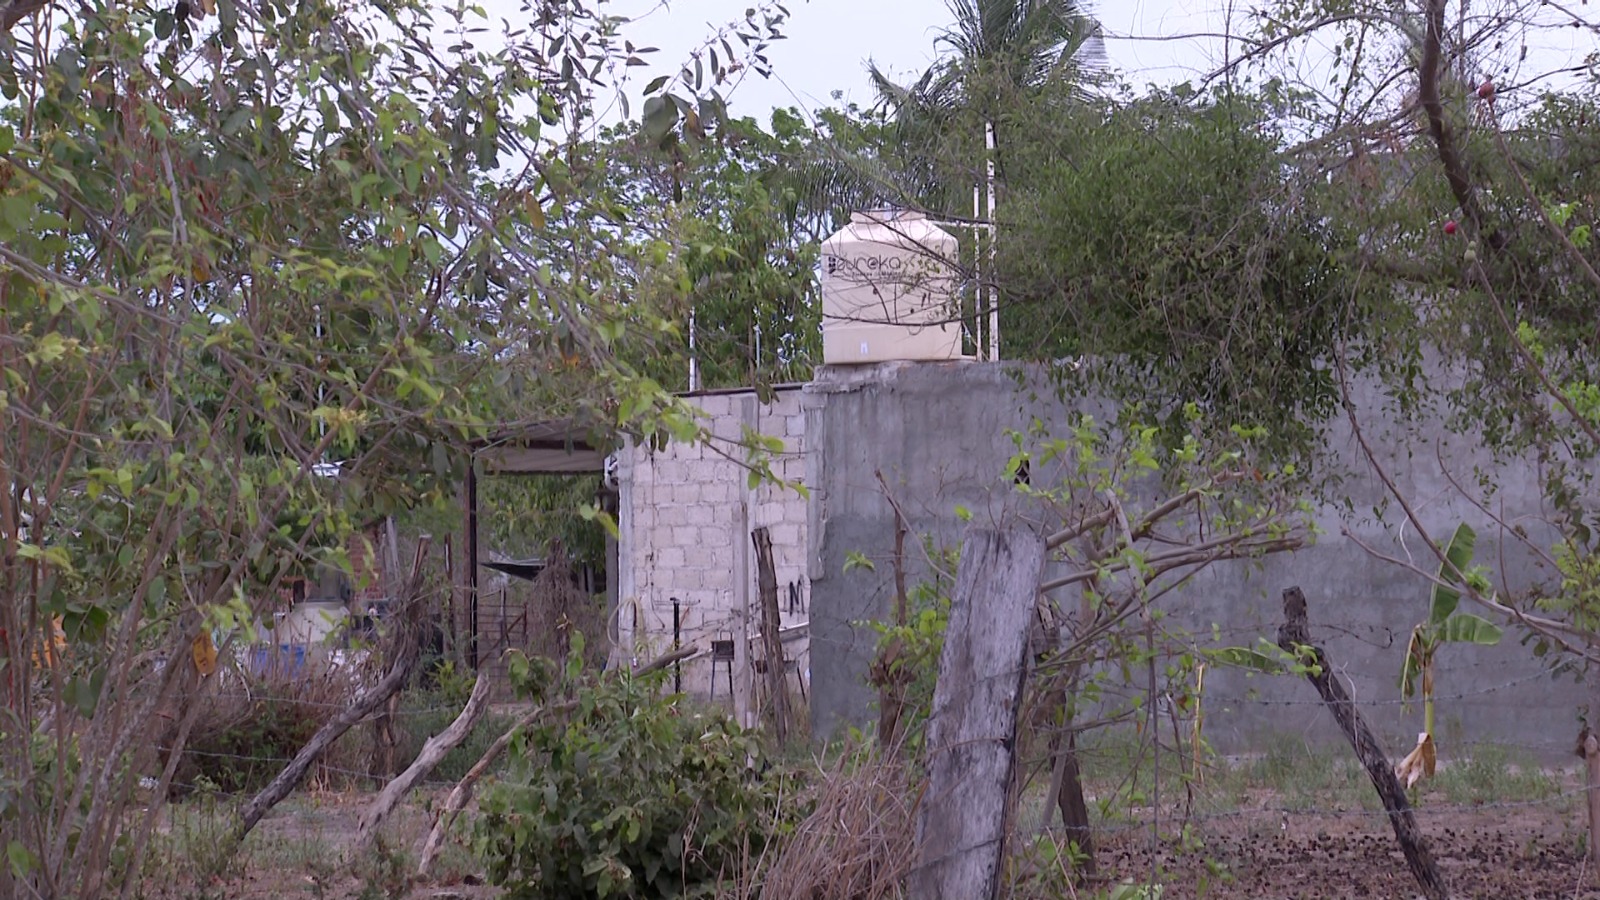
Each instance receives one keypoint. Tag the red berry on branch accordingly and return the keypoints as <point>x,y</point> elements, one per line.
<point>1450,227</point>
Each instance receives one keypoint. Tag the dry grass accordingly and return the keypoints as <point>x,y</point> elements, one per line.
<point>557,607</point>
<point>245,733</point>
<point>857,842</point>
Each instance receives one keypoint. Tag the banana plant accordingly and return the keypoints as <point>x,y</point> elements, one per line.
<point>1444,625</point>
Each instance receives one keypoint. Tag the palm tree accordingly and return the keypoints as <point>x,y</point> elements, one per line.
<point>1000,51</point>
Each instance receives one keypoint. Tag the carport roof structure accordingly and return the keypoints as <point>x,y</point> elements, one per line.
<point>552,447</point>
<point>556,446</point>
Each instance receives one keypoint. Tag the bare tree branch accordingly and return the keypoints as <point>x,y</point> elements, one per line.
<point>1455,167</point>
<point>17,10</point>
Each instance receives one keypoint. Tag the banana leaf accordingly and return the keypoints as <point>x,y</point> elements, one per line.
<point>1459,552</point>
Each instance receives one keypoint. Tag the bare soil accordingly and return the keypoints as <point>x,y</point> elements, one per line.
<point>1501,851</point>
<point>1532,852</point>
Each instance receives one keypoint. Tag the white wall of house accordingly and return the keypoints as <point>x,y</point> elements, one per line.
<point>685,515</point>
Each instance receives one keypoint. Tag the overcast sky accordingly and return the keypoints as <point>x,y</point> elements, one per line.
<point>830,41</point>
<point>1149,42</point>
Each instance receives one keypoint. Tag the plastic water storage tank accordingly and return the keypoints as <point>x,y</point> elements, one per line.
<point>888,290</point>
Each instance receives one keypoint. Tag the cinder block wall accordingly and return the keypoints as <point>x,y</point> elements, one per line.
<point>685,516</point>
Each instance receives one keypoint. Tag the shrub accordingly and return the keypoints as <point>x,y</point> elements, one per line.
<point>634,796</point>
<point>245,734</point>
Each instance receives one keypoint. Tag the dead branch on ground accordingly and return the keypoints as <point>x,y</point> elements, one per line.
<point>406,651</point>
<point>461,794</point>
<point>432,752</point>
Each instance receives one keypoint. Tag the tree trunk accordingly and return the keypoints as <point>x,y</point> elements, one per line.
<point>963,817</point>
<point>1066,786</point>
<point>1589,749</point>
<point>892,680</point>
<point>384,740</point>
<point>1295,638</point>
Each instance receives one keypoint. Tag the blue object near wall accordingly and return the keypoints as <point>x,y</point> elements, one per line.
<point>279,661</point>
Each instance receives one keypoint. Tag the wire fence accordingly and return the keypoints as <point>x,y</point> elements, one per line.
<point>1237,793</point>
<point>1306,792</point>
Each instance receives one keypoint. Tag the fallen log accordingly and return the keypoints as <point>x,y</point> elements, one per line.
<point>432,752</point>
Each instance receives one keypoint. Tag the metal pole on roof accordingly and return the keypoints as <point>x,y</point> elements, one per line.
<point>994,295</point>
<point>977,273</point>
<point>694,363</point>
<point>472,561</point>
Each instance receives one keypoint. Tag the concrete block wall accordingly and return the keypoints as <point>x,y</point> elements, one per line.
<point>936,432</point>
<point>685,516</point>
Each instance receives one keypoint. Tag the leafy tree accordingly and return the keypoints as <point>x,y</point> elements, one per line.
<point>1164,242</point>
<point>1467,182</point>
<point>264,267</point>
<point>734,248</point>
<point>999,52</point>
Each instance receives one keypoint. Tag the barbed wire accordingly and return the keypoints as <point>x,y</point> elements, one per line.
<point>1178,816</point>
<point>291,700</point>
<point>1211,698</point>
<point>319,766</point>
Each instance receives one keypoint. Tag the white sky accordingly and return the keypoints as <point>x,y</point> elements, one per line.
<point>830,41</point>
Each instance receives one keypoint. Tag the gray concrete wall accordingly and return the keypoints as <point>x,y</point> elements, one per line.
<point>936,432</point>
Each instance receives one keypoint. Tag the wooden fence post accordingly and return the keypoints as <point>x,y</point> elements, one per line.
<point>962,820</point>
<point>771,640</point>
<point>1294,637</point>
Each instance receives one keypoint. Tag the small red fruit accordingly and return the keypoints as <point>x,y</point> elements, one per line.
<point>1450,227</point>
<point>1486,91</point>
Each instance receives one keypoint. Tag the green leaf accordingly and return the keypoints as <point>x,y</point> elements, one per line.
<point>856,559</point>
<point>1459,552</point>
<point>1265,657</point>
<point>1465,628</point>
<point>16,212</point>
<point>21,859</point>
<point>660,114</point>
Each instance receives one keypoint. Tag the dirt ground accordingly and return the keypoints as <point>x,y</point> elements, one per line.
<point>299,850</point>
<point>1501,851</point>
<point>1535,852</point>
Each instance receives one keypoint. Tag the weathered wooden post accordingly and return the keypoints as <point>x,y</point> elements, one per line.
<point>1294,637</point>
<point>962,820</point>
<point>771,639</point>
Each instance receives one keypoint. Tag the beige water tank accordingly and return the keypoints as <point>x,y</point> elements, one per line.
<point>311,622</point>
<point>888,290</point>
